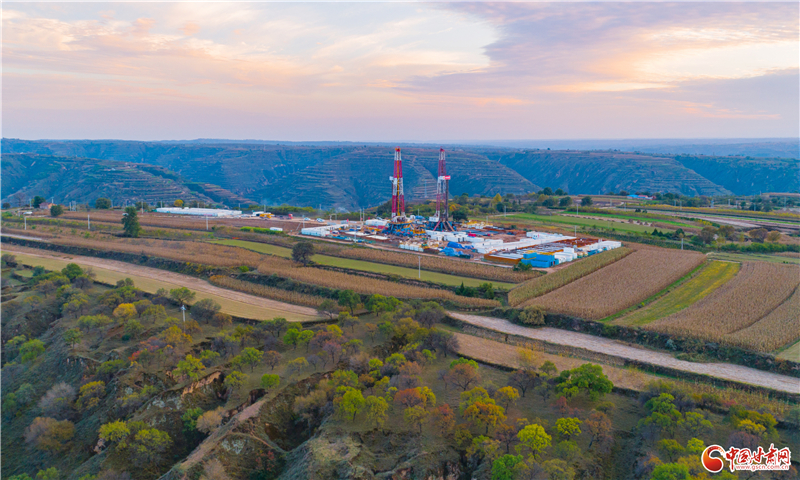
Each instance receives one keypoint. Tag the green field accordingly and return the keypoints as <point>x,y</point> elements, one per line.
<point>581,222</point>
<point>364,266</point>
<point>708,279</point>
<point>752,257</point>
<point>150,285</point>
<point>622,216</point>
<point>792,353</point>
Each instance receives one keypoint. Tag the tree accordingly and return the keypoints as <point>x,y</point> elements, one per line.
<point>56,402</point>
<point>276,326</point>
<point>463,376</point>
<point>444,419</point>
<point>178,203</point>
<point>548,368</point>
<point>565,201</point>
<point>182,295</point>
<point>148,445</point>
<point>38,200</point>
<point>272,358</point>
<point>506,396</point>
<point>90,394</point>
<point>588,379</point>
<point>235,379</point>
<point>205,309</point>
<point>250,356</point>
<point>523,380</point>
<point>154,313</point>
<point>329,308</point>
<point>130,223</point>
<point>586,201</point>
<point>222,320</point>
<point>670,448</point>
<point>507,467</point>
<point>371,329</point>
<point>49,434</point>
<point>759,234</point>
<point>707,235</point>
<point>292,336</point>
<point>31,350</point>
<point>349,299</point>
<point>534,438</point>
<point>485,414</point>
<point>115,431</point>
<point>56,210</point>
<point>415,416</point>
<point>269,381</point>
<point>376,408</point>
<point>302,252</point>
<point>296,366</point>
<point>51,473</point>
<point>210,420</point>
<point>671,471</point>
<point>102,203</point>
<point>350,404</point>
<point>125,312</point>
<point>190,367</point>
<point>773,236</point>
<point>568,427</point>
<point>599,427</point>
<point>72,271</point>
<point>72,337</point>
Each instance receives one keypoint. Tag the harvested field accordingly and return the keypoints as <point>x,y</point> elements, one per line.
<point>551,281</point>
<point>225,256</point>
<point>620,285</point>
<point>265,291</point>
<point>779,328</point>
<point>364,285</point>
<point>756,292</point>
<point>712,276</point>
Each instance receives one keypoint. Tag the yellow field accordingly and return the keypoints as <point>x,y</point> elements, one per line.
<point>151,285</point>
<point>710,277</point>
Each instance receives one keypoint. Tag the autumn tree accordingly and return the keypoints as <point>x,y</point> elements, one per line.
<point>599,427</point>
<point>272,358</point>
<point>270,381</point>
<point>506,396</point>
<point>463,376</point>
<point>533,438</point>
<point>250,356</point>
<point>485,414</point>
<point>182,295</point>
<point>72,337</point>
<point>125,312</point>
<point>49,434</point>
<point>523,380</point>
<point>415,416</point>
<point>329,308</point>
<point>190,367</point>
<point>349,404</point>
<point>210,420</point>
<point>444,419</point>
<point>376,408</point>
<point>568,427</point>
<point>205,309</point>
<point>90,394</point>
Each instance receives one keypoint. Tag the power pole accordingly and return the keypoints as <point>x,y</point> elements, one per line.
<point>88,222</point>
<point>419,267</point>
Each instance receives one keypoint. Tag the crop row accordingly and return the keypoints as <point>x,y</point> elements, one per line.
<point>267,292</point>
<point>620,285</point>
<point>547,283</point>
<point>733,314</point>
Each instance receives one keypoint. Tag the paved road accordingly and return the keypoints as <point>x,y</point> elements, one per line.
<point>607,346</point>
<point>177,279</point>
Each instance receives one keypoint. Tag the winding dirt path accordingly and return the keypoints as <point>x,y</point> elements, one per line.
<point>607,346</point>
<point>177,279</point>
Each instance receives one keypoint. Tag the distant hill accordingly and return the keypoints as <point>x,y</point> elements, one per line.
<point>84,180</point>
<point>349,176</point>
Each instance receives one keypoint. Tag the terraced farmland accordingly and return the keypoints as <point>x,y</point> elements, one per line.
<point>712,276</point>
<point>620,285</point>
<point>759,292</point>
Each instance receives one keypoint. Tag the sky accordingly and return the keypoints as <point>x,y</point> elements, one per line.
<point>413,72</point>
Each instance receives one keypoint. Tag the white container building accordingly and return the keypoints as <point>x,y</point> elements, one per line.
<point>200,212</point>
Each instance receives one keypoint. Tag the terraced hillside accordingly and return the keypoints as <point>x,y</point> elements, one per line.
<point>601,172</point>
<point>744,175</point>
<point>84,180</point>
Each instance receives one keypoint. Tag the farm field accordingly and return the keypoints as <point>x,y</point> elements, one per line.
<point>150,280</point>
<point>622,216</point>
<point>753,257</point>
<point>792,353</point>
<point>559,278</point>
<point>713,275</point>
<point>614,348</point>
<point>755,294</point>
<point>620,285</point>
<point>580,222</point>
<point>328,260</point>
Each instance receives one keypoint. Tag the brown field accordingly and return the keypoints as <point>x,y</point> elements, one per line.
<point>435,264</point>
<point>580,268</point>
<point>265,291</point>
<point>226,256</point>
<point>620,285</point>
<point>760,292</point>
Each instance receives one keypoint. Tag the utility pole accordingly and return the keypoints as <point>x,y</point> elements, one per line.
<point>183,310</point>
<point>206,223</point>
<point>88,222</point>
<point>419,267</point>
<point>25,219</point>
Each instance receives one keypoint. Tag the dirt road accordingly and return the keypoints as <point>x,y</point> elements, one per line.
<point>606,346</point>
<point>176,279</point>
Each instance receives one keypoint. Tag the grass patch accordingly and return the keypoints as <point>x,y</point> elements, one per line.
<point>753,257</point>
<point>713,275</point>
<point>364,266</point>
<point>581,222</point>
<point>792,353</point>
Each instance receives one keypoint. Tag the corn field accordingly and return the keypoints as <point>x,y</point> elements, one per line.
<point>580,268</point>
<point>758,309</point>
<point>620,285</point>
<point>266,292</point>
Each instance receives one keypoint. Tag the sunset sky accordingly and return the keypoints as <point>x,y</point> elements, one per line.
<point>400,71</point>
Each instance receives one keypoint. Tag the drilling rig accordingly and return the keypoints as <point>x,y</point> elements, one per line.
<point>442,217</point>
<point>399,221</point>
